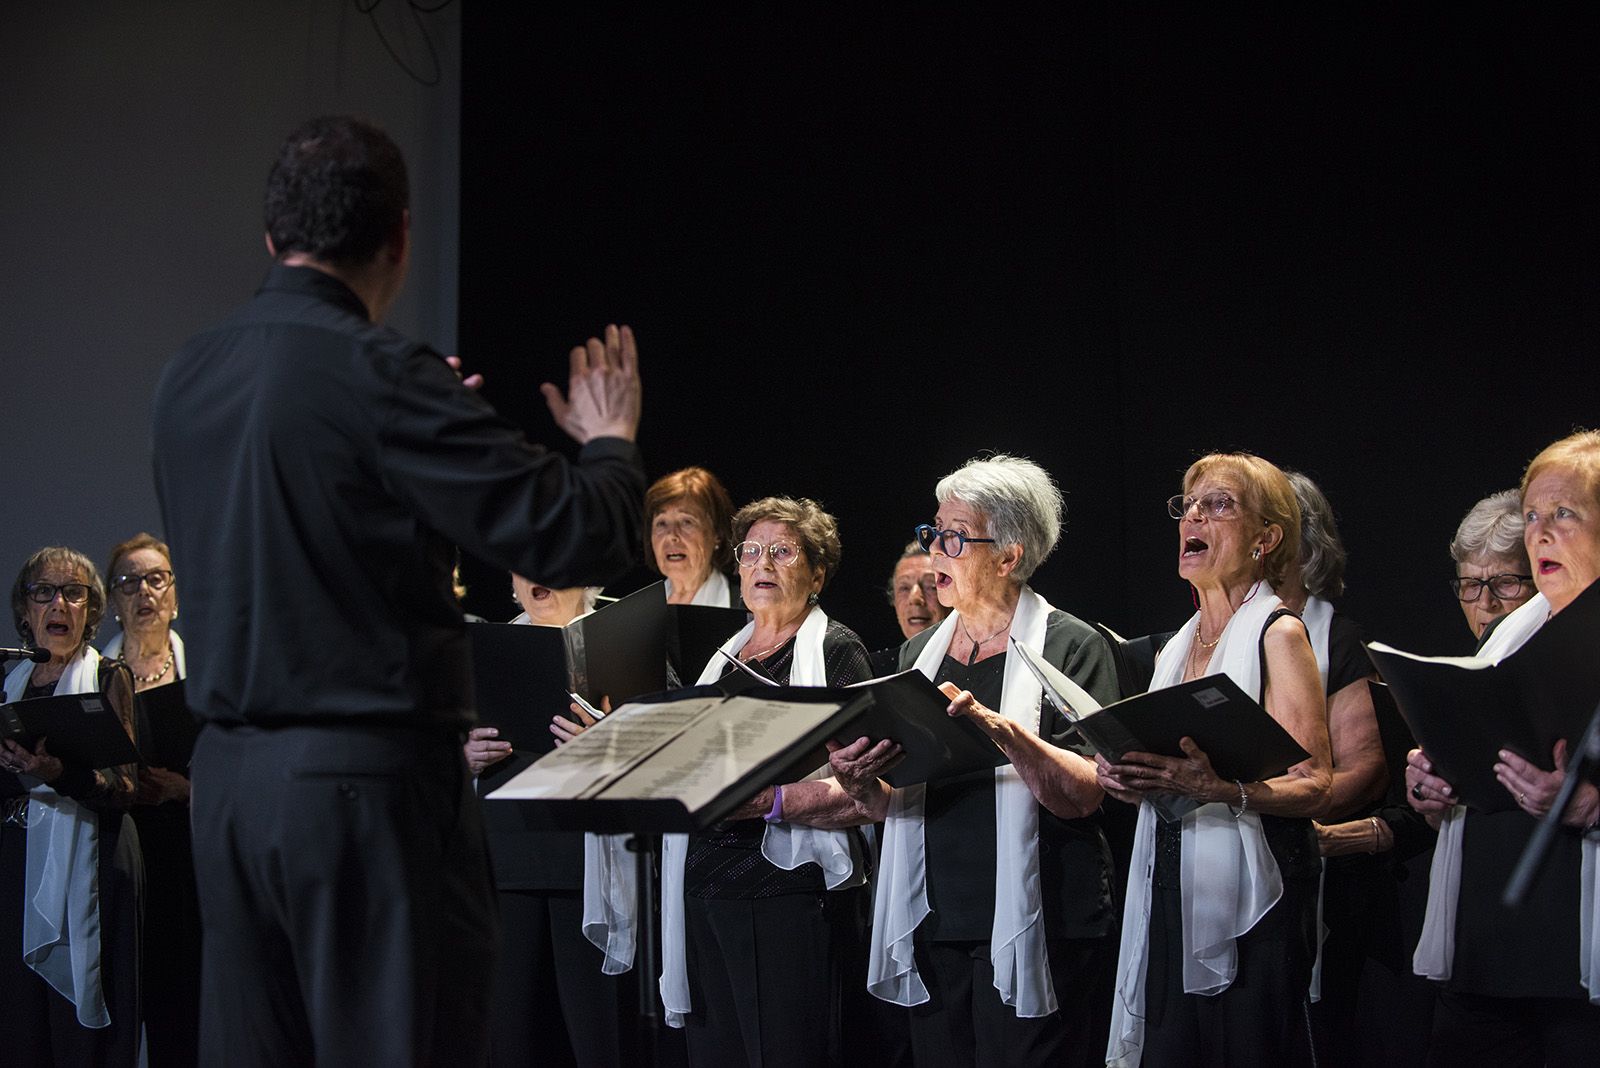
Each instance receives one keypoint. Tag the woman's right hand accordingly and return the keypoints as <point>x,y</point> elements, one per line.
<point>567,729</point>
<point>1113,786</point>
<point>37,762</point>
<point>1428,794</point>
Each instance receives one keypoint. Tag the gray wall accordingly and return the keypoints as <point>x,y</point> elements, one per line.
<point>134,142</point>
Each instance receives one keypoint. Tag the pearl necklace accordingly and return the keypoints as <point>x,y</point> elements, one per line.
<point>166,666</point>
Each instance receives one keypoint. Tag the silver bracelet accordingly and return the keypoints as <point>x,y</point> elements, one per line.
<point>1244,799</point>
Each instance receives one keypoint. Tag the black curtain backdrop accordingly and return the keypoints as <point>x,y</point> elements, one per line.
<point>860,247</point>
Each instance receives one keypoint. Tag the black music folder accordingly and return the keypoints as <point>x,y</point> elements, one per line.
<point>79,727</point>
<point>1463,710</point>
<point>681,761</point>
<point>695,633</point>
<point>519,673</point>
<point>620,650</point>
<point>167,729</point>
<point>1240,737</point>
<point>911,710</point>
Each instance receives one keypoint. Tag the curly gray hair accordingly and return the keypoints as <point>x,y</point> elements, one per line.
<point>1020,501</point>
<point>1493,527</point>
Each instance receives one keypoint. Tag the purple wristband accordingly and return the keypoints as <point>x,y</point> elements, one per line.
<point>776,815</point>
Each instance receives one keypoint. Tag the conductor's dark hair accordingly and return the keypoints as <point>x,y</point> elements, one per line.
<point>337,191</point>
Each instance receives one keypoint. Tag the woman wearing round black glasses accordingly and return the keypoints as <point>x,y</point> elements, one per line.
<point>67,922</point>
<point>993,901</point>
<point>1492,572</point>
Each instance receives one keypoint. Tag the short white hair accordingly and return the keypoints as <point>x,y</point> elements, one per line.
<point>1018,499</point>
<point>1493,527</point>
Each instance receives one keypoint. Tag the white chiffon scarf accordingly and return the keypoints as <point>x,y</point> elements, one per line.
<point>1436,949</point>
<point>900,904</point>
<point>1229,878</point>
<point>714,592</point>
<point>180,662</point>
<point>61,881</point>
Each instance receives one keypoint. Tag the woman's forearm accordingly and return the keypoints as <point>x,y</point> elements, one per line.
<point>1061,780</point>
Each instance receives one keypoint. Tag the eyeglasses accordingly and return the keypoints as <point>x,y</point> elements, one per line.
<point>1212,506</point>
<point>128,585</point>
<point>1507,587</point>
<point>926,535</point>
<point>783,553</point>
<point>45,592</point>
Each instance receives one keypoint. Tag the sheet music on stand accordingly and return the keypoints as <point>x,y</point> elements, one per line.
<point>683,762</point>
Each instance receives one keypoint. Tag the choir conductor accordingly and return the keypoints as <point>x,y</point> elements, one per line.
<point>315,472</point>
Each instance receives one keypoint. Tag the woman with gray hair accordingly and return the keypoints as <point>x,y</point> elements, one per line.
<point>68,958</point>
<point>1492,573</point>
<point>993,899</point>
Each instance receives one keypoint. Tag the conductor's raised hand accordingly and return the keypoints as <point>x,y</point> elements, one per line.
<point>603,391</point>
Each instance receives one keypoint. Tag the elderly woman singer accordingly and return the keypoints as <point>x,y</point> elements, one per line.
<point>144,599</point>
<point>757,911</point>
<point>1523,986</point>
<point>68,965</point>
<point>1492,576</point>
<point>993,902</point>
<point>1217,939</point>
<point>687,537</point>
<point>914,595</point>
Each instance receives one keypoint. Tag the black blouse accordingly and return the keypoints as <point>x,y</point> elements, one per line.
<point>725,860</point>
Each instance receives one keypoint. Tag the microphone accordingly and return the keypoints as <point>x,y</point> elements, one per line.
<point>38,656</point>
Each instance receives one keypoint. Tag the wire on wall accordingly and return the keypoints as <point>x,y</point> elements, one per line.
<point>369,8</point>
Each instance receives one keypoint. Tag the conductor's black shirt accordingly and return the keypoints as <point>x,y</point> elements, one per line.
<point>316,472</point>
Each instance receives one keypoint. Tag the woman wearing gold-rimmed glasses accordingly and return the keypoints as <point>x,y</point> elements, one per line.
<point>1217,934</point>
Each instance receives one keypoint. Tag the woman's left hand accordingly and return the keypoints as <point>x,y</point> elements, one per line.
<point>37,763</point>
<point>157,785</point>
<point>484,749</point>
<point>1535,789</point>
<point>1190,775</point>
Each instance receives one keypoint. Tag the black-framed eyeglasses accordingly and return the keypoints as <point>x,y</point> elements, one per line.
<point>1505,587</point>
<point>1212,506</point>
<point>951,542</point>
<point>45,592</point>
<point>128,585</point>
<point>783,553</point>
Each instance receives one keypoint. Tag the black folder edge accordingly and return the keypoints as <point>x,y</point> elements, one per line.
<point>669,816</point>
<point>165,703</point>
<point>112,750</point>
<point>973,749</point>
<point>1531,740</point>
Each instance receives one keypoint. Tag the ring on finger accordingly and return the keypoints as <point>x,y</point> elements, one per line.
<point>1416,791</point>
